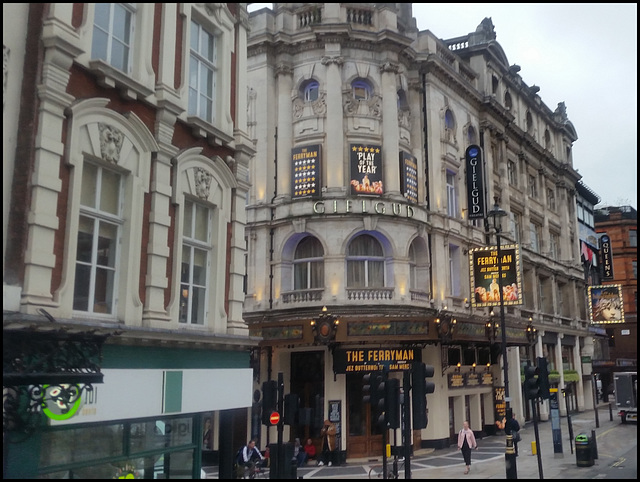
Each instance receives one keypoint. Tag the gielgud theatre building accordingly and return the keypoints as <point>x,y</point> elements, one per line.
<point>380,150</point>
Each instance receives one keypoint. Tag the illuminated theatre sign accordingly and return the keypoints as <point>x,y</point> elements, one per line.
<point>374,359</point>
<point>484,270</point>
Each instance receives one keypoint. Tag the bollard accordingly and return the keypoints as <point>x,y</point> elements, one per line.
<point>594,445</point>
<point>534,451</point>
<point>610,413</point>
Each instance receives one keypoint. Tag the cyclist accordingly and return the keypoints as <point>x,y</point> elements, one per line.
<point>248,458</point>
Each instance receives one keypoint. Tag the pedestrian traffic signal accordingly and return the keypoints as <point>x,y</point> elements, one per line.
<point>531,388</point>
<point>291,406</point>
<point>543,378</point>
<point>392,403</point>
<point>269,400</point>
<point>420,387</point>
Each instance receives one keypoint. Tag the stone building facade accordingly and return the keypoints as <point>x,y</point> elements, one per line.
<point>364,210</point>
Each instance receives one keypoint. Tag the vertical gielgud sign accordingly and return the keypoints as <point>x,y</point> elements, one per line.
<point>366,169</point>
<point>305,162</point>
<point>484,270</point>
<point>409,176</point>
<point>607,257</point>
<point>475,184</point>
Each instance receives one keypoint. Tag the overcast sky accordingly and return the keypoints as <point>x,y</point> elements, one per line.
<point>582,54</point>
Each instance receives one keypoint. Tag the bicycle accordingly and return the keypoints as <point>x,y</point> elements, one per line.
<point>256,470</point>
<point>393,469</point>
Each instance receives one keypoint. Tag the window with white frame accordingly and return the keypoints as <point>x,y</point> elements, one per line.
<point>365,263</point>
<point>99,231</point>
<point>308,265</point>
<point>534,236</point>
<point>452,195</point>
<point>512,173</point>
<point>202,72</point>
<point>113,33</point>
<point>454,270</point>
<point>194,269</point>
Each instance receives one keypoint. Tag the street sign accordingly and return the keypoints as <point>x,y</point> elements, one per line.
<point>274,418</point>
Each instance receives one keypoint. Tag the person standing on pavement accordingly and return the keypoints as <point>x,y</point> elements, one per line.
<point>328,434</point>
<point>515,432</point>
<point>466,443</point>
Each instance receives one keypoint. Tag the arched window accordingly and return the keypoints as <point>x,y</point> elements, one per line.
<point>413,268</point>
<point>529,122</point>
<point>308,265</point>
<point>403,104</point>
<point>365,263</point>
<point>508,103</point>
<point>310,90</point>
<point>471,135</point>
<point>449,120</point>
<point>361,89</point>
<point>547,139</point>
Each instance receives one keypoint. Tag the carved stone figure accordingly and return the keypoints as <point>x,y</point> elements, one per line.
<point>203,182</point>
<point>110,142</point>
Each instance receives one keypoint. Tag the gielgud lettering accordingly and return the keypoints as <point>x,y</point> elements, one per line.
<point>363,206</point>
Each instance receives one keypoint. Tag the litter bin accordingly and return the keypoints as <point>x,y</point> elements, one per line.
<point>584,451</point>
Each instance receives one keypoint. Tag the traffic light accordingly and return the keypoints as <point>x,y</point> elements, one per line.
<point>543,378</point>
<point>370,388</point>
<point>291,406</point>
<point>269,400</point>
<point>531,388</point>
<point>420,387</point>
<point>392,403</point>
<point>380,409</point>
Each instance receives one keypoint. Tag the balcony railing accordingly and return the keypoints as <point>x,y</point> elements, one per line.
<point>369,294</point>
<point>300,296</point>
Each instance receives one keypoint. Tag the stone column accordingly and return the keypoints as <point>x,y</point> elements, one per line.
<point>390,144</point>
<point>61,47</point>
<point>284,81</point>
<point>335,164</point>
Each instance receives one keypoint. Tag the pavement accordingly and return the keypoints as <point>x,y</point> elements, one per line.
<point>489,460</point>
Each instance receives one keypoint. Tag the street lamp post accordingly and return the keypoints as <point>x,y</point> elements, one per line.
<point>510,456</point>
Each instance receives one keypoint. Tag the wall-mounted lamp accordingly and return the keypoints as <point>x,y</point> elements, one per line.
<point>445,327</point>
<point>466,303</point>
<point>324,328</point>
<point>457,369</point>
<point>473,368</point>
<point>532,332</point>
<point>488,367</point>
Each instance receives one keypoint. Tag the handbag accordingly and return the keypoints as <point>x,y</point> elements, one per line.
<point>516,436</point>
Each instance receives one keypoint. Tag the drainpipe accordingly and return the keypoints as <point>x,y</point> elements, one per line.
<point>273,214</point>
<point>426,174</point>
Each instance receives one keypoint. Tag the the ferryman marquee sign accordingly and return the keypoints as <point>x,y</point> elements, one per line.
<point>352,360</point>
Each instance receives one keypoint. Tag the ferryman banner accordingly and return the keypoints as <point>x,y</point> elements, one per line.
<point>484,268</point>
<point>373,359</point>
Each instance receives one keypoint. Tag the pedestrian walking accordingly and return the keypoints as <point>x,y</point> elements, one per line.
<point>515,432</point>
<point>466,443</point>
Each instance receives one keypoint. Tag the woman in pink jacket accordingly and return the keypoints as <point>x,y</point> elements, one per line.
<point>466,442</point>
